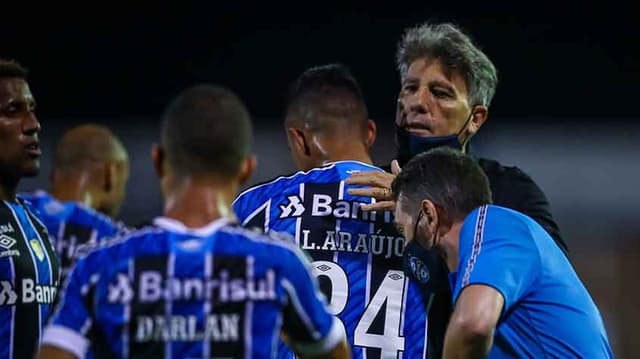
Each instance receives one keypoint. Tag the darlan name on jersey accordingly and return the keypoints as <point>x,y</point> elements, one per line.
<point>323,205</point>
<point>29,292</point>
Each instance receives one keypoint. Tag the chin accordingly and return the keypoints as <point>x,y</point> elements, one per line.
<point>31,170</point>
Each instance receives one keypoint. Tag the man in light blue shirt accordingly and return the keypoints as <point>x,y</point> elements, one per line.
<point>515,293</point>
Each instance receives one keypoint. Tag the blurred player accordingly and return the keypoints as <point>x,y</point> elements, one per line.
<point>515,293</point>
<point>357,255</point>
<point>195,284</point>
<point>29,272</point>
<point>90,172</point>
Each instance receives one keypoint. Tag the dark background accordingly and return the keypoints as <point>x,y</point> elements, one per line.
<point>565,111</point>
<point>566,59</point>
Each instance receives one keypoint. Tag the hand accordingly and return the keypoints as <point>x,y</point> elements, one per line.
<point>380,189</point>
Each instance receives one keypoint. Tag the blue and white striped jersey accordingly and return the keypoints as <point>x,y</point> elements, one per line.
<point>29,279</point>
<point>71,224</point>
<point>167,291</point>
<point>358,256</point>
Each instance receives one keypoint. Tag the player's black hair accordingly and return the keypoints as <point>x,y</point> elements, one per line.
<point>326,97</point>
<point>206,129</point>
<point>12,68</point>
<point>450,179</point>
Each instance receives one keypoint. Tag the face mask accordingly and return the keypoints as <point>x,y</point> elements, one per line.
<point>410,145</point>
<point>427,267</point>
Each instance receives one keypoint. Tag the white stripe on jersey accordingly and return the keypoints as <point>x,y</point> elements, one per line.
<point>126,315</point>
<point>248,315</point>
<point>168,303</point>
<point>13,308</point>
<point>208,270</point>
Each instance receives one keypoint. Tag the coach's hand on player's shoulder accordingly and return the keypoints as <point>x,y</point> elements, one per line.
<point>380,187</point>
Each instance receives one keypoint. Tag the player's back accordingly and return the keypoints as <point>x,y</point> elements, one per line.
<point>357,256</point>
<point>167,291</point>
<point>548,311</point>
<point>71,224</point>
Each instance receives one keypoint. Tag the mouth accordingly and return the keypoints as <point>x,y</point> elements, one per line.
<point>418,130</point>
<point>33,149</point>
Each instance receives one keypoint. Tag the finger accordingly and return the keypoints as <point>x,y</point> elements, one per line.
<point>379,206</point>
<point>395,167</point>
<point>372,178</point>
<point>375,192</point>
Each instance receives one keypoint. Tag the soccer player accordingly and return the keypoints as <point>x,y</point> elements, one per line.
<point>88,181</point>
<point>357,255</point>
<point>29,272</point>
<point>195,284</point>
<point>515,294</point>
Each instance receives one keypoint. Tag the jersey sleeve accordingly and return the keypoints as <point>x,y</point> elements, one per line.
<point>500,253</point>
<point>311,329</point>
<point>72,319</point>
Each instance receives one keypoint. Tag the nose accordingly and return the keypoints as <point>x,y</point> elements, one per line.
<point>30,124</point>
<point>418,101</point>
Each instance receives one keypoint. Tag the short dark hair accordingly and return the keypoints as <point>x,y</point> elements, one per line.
<point>12,68</point>
<point>206,130</point>
<point>325,96</point>
<point>448,178</point>
<point>456,51</point>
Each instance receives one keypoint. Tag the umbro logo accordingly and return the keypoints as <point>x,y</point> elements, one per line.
<point>6,242</point>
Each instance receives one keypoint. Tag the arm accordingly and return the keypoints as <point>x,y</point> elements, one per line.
<point>471,328</point>
<point>66,334</point>
<point>51,352</point>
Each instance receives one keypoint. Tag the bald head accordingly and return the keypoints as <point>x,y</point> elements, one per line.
<point>84,144</point>
<point>91,166</point>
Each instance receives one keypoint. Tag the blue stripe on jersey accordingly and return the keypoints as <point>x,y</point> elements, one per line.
<point>382,310</point>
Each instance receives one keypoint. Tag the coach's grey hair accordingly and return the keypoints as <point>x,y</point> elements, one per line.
<point>457,52</point>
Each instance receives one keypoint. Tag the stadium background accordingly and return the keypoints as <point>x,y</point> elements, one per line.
<point>566,108</point>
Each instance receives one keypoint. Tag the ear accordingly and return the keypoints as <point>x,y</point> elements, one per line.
<point>157,159</point>
<point>246,168</point>
<point>298,141</point>
<point>371,133</point>
<point>478,117</point>
<point>110,176</point>
<point>431,214</point>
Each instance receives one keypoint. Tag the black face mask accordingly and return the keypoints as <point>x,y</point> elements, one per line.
<point>410,145</point>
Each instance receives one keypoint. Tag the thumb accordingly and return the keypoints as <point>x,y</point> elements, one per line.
<point>395,167</point>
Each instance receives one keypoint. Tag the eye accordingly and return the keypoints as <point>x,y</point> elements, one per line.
<point>410,88</point>
<point>440,93</point>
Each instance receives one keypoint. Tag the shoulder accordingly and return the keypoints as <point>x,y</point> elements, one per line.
<point>274,245</point>
<point>510,185</point>
<point>121,245</point>
<point>331,172</point>
<point>495,224</point>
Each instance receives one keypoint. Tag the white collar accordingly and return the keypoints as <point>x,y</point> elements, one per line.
<point>177,226</point>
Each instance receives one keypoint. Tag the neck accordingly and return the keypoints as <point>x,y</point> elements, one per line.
<point>347,152</point>
<point>196,201</point>
<point>8,190</point>
<point>450,244</point>
<point>72,187</point>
